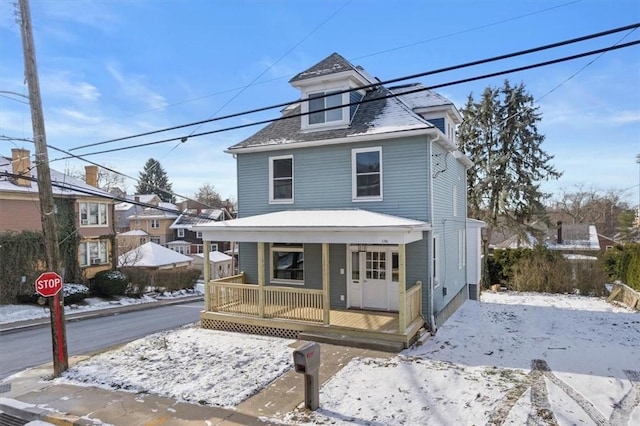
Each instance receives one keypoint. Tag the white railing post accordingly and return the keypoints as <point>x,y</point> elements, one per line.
<point>207,274</point>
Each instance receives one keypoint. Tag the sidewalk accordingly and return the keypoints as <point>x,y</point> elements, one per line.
<point>31,395</point>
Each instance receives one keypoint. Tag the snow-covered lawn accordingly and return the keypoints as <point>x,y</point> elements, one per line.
<point>512,359</point>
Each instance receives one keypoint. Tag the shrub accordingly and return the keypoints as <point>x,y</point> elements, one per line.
<point>73,293</point>
<point>144,280</point>
<point>623,263</point>
<point>110,283</point>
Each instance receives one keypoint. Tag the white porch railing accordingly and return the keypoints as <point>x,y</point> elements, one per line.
<point>414,303</point>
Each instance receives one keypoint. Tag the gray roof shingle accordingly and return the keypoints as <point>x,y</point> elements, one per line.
<point>333,64</point>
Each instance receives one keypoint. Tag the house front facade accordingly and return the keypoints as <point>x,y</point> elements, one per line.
<point>156,222</point>
<point>188,241</point>
<point>353,203</point>
<point>90,215</point>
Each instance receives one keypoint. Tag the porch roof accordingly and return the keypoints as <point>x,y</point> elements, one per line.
<point>317,226</point>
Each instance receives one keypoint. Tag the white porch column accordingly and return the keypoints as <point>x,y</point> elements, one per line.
<point>261,280</point>
<point>326,301</point>
<point>206,246</point>
<point>402,289</point>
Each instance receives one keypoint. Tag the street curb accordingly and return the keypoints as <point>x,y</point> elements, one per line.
<point>33,413</point>
<point>98,313</point>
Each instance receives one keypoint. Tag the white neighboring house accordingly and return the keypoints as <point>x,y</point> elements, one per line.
<point>220,264</point>
<point>152,255</point>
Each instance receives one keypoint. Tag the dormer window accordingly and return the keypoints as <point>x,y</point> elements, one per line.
<point>320,101</point>
<point>317,116</point>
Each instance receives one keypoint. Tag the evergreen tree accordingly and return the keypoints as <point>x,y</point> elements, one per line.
<point>499,134</point>
<point>153,179</point>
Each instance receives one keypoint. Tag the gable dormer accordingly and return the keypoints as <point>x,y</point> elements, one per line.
<point>320,88</point>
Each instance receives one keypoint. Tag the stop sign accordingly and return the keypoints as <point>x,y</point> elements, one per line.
<point>48,284</point>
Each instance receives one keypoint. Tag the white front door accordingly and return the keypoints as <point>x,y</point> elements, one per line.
<point>372,284</point>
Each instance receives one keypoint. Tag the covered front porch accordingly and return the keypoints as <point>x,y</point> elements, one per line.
<point>266,307</point>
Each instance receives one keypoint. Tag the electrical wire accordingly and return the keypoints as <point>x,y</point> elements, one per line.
<point>390,95</point>
<point>373,85</point>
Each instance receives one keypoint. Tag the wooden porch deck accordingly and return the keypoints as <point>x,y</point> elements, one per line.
<point>232,305</point>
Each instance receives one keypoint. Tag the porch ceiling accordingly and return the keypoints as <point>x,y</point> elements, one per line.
<point>317,226</point>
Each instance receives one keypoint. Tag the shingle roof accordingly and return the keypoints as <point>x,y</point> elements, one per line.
<point>422,99</point>
<point>62,184</point>
<point>191,217</point>
<point>375,115</point>
<point>333,64</point>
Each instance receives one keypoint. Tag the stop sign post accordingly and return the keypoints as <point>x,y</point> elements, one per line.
<point>49,284</point>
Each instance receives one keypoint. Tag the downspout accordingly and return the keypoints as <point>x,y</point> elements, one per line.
<point>432,318</point>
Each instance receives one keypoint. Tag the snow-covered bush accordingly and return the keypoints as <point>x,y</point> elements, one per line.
<point>110,283</point>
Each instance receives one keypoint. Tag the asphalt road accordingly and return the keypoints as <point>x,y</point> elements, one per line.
<point>31,347</point>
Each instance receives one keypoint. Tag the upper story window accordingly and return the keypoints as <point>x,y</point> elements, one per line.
<point>155,223</point>
<point>199,234</point>
<point>281,179</point>
<point>93,214</point>
<point>180,233</point>
<point>366,166</point>
<point>321,100</point>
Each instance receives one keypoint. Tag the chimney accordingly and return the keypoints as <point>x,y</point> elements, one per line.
<point>136,198</point>
<point>91,175</point>
<point>21,165</point>
<point>559,223</point>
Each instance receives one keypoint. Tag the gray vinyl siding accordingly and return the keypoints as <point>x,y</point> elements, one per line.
<point>248,262</point>
<point>418,267</point>
<point>449,173</point>
<point>338,281</point>
<point>323,179</point>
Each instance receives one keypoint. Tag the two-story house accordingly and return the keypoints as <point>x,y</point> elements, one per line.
<point>156,222</point>
<point>92,209</point>
<point>351,214</point>
<point>189,241</point>
<point>133,206</point>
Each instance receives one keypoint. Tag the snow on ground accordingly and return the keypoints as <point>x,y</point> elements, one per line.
<point>189,364</point>
<point>15,313</point>
<point>478,368</point>
<point>515,358</point>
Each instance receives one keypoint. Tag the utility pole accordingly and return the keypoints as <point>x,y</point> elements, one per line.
<point>56,303</point>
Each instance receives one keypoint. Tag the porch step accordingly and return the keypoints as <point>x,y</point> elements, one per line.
<point>355,342</point>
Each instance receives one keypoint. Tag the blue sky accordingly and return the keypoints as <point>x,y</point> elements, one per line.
<point>114,68</point>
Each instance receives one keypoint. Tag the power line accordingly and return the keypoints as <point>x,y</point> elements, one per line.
<point>391,95</point>
<point>373,85</point>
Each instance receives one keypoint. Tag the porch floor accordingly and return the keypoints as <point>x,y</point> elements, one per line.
<point>357,324</point>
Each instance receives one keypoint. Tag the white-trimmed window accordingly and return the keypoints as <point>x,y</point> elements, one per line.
<point>319,101</point>
<point>287,263</point>
<point>93,214</point>
<point>454,201</point>
<point>366,167</point>
<point>462,244</point>
<point>93,253</point>
<point>180,233</point>
<point>435,266</point>
<point>281,179</point>
<point>155,240</point>
<point>155,223</point>
<point>199,234</point>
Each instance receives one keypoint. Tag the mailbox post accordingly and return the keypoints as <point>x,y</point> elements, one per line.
<point>306,360</point>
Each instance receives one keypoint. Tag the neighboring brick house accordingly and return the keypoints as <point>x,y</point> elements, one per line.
<point>93,208</point>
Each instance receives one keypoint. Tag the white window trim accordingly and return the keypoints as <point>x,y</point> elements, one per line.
<point>462,244</point>
<point>180,233</point>
<point>330,124</point>
<point>85,223</point>
<point>281,280</point>
<point>87,255</point>
<point>354,177</point>
<point>199,234</point>
<point>435,264</point>
<point>156,222</point>
<point>455,200</point>
<point>273,200</point>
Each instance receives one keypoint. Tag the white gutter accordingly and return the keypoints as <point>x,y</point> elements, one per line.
<point>432,318</point>
<point>362,137</point>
